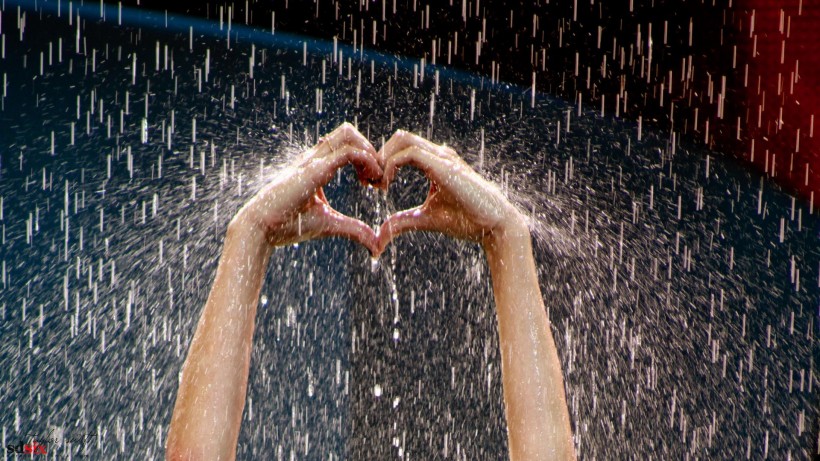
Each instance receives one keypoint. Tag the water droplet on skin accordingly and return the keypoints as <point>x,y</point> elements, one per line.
<point>374,264</point>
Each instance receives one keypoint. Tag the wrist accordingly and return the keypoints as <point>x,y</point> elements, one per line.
<point>511,236</point>
<point>247,232</point>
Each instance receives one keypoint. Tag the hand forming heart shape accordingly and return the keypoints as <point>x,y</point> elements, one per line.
<point>293,207</point>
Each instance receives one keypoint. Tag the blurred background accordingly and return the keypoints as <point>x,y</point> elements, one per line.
<point>664,151</point>
<point>739,76</point>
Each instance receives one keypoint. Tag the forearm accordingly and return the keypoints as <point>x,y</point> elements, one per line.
<point>536,409</point>
<point>208,411</point>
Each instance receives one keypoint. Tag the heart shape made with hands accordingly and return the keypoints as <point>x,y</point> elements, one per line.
<point>460,203</point>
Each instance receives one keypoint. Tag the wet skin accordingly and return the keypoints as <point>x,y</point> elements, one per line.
<point>292,208</point>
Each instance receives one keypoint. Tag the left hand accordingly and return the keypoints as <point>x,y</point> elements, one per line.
<point>293,207</point>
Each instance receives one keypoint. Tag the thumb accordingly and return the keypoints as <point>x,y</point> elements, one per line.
<point>335,224</point>
<point>417,218</point>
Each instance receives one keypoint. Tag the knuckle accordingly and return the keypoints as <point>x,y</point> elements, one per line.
<point>348,129</point>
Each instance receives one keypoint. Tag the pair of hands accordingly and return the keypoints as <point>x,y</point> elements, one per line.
<point>293,207</point>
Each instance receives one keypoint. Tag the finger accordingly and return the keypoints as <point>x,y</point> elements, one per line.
<point>367,167</point>
<point>335,224</point>
<point>322,170</point>
<point>346,134</point>
<point>434,167</point>
<point>402,140</point>
<point>320,196</point>
<point>321,220</point>
<point>414,219</point>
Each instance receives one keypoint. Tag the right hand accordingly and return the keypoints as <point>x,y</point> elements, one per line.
<point>460,203</point>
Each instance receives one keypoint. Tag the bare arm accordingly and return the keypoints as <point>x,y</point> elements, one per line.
<point>536,408</point>
<point>464,205</point>
<point>208,410</point>
<point>292,208</point>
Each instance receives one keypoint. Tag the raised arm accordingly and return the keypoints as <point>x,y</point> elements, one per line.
<point>292,208</point>
<point>536,407</point>
<point>464,205</point>
<point>211,397</point>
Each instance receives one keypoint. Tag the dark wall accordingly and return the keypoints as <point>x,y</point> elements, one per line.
<point>677,84</point>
